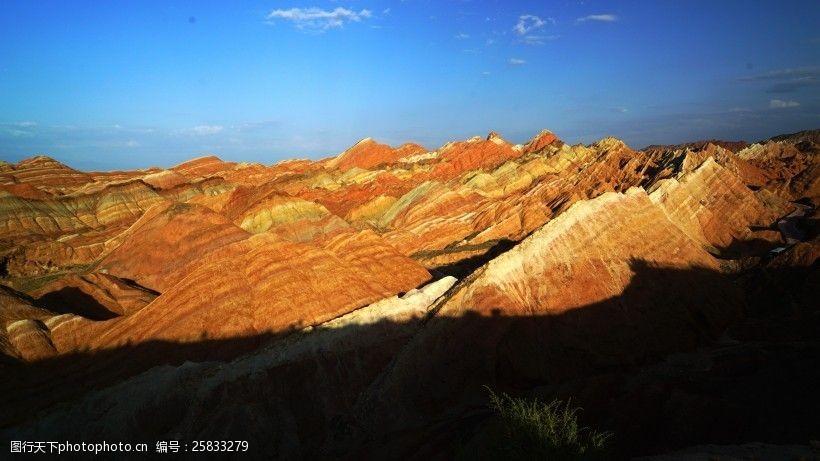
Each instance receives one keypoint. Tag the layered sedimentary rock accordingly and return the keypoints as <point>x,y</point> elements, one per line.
<point>45,173</point>
<point>43,235</point>
<point>572,260</point>
<point>202,166</point>
<point>611,281</point>
<point>112,205</point>
<point>18,317</point>
<point>794,168</point>
<point>265,284</point>
<point>95,295</point>
<point>156,250</point>
<point>713,206</point>
<point>368,153</point>
<point>280,382</point>
<point>450,209</point>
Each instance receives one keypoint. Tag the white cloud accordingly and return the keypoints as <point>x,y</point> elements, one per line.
<point>26,124</point>
<point>317,19</point>
<point>787,80</point>
<point>203,130</point>
<point>386,11</point>
<point>538,39</point>
<point>598,18</point>
<point>781,74</point>
<point>485,73</point>
<point>16,133</point>
<point>517,62</point>
<point>462,36</point>
<point>530,22</point>
<point>780,104</point>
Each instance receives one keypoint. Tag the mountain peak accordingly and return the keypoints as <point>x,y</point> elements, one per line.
<point>541,141</point>
<point>611,143</point>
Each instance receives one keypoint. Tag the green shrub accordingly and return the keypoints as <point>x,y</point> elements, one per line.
<point>536,430</point>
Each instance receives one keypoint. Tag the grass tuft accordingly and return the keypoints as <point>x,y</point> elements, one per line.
<point>536,430</point>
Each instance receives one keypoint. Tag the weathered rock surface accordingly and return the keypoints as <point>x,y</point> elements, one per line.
<point>95,295</point>
<point>265,284</point>
<point>571,297</point>
<point>368,153</point>
<point>157,249</point>
<point>713,206</point>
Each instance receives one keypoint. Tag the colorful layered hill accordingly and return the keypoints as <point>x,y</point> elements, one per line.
<point>367,298</point>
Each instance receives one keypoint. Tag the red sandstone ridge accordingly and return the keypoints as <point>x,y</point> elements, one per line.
<point>202,166</point>
<point>157,249</point>
<point>368,154</point>
<point>541,141</point>
<point>474,154</point>
<point>264,284</point>
<point>43,172</point>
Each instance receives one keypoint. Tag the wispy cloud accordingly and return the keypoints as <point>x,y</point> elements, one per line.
<point>23,129</point>
<point>780,104</point>
<point>797,72</point>
<point>787,80</point>
<point>462,36</point>
<point>598,18</point>
<point>529,22</point>
<point>517,62</point>
<point>203,130</point>
<point>538,39</point>
<point>13,131</point>
<point>319,20</point>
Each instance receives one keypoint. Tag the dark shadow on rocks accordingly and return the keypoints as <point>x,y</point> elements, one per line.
<point>653,365</point>
<point>72,300</point>
<point>133,284</point>
<point>751,247</point>
<point>465,267</point>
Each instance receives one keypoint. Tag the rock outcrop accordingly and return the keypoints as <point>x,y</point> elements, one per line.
<point>263,284</point>
<point>156,251</point>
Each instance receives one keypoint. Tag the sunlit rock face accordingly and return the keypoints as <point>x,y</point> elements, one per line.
<point>18,308</point>
<point>44,173</point>
<point>793,167</point>
<point>712,205</point>
<point>264,284</point>
<point>610,281</point>
<point>368,154</point>
<point>385,285</point>
<point>155,250</point>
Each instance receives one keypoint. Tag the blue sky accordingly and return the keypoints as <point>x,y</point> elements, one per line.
<point>103,85</point>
